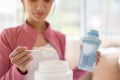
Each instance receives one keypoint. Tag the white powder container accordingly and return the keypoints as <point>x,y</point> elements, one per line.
<point>53,70</point>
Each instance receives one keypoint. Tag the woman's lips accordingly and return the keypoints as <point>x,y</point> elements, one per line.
<point>39,14</point>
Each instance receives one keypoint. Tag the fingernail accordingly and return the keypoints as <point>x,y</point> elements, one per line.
<point>31,58</point>
<point>18,46</point>
<point>24,47</point>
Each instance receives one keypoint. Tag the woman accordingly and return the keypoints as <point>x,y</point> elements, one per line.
<point>34,33</point>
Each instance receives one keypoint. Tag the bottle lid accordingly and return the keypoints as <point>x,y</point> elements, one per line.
<point>93,33</point>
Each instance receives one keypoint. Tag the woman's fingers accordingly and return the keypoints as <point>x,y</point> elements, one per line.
<point>98,55</point>
<point>22,63</point>
<point>20,57</point>
<point>24,59</point>
<point>17,54</point>
<point>17,51</point>
<point>27,61</point>
<point>119,62</point>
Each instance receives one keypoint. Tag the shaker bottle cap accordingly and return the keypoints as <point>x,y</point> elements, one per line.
<point>93,33</point>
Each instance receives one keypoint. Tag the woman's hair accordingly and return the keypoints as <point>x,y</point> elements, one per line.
<point>53,8</point>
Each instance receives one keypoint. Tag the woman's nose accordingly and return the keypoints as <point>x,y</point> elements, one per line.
<point>40,5</point>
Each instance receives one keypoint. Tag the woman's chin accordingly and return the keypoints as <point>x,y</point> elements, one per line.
<point>39,20</point>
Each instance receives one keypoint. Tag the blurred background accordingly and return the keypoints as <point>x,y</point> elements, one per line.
<point>73,18</point>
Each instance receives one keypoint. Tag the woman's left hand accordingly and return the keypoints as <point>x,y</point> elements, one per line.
<point>98,55</point>
<point>119,63</point>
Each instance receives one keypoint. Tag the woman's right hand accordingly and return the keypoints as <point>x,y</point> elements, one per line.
<point>20,58</point>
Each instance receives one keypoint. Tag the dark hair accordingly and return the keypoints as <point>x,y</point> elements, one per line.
<point>53,10</point>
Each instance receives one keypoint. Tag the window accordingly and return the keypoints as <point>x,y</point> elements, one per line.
<point>10,13</point>
<point>66,17</point>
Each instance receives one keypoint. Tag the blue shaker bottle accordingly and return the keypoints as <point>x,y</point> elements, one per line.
<point>90,45</point>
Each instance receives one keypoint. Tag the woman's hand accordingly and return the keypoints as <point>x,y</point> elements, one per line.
<point>98,55</point>
<point>20,58</point>
<point>119,63</point>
